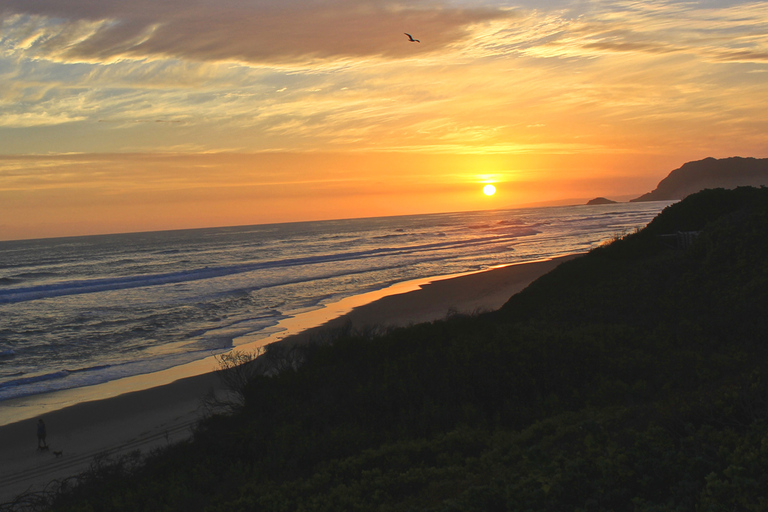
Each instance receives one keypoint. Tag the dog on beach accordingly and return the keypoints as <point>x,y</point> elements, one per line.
<point>58,454</point>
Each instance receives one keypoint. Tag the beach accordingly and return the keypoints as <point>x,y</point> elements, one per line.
<point>166,412</point>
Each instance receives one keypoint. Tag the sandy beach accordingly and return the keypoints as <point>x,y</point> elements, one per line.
<point>163,414</point>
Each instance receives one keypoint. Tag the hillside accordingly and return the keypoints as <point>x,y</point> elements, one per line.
<point>632,378</point>
<point>692,177</point>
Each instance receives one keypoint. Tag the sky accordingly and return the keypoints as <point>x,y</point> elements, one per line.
<point>120,116</point>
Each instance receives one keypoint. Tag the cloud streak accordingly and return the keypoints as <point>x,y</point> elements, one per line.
<point>735,33</point>
<point>233,30</point>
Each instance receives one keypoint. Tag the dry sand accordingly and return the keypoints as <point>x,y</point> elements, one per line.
<point>164,414</point>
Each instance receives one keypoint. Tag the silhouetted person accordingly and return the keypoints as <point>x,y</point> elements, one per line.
<point>41,435</point>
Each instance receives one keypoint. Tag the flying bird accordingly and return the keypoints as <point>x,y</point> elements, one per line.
<point>410,38</point>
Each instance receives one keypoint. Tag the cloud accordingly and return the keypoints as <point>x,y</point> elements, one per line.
<point>29,119</point>
<point>741,56</point>
<point>253,32</point>
<point>260,75</point>
<point>737,33</point>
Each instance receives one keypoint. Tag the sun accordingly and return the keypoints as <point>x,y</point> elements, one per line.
<point>489,190</point>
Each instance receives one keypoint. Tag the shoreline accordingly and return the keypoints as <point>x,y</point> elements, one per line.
<point>152,410</point>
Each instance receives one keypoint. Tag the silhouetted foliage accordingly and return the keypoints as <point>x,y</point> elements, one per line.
<point>632,378</point>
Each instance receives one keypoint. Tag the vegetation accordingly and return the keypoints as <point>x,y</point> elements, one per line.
<point>632,378</point>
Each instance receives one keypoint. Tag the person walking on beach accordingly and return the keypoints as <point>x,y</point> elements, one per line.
<point>41,445</point>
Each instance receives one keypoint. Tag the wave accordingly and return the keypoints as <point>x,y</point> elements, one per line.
<point>36,275</point>
<point>7,353</point>
<point>514,222</point>
<point>94,375</point>
<point>120,263</point>
<point>61,374</point>
<point>17,279</point>
<point>527,231</point>
<point>89,369</point>
<point>384,237</point>
<point>57,375</point>
<point>23,294</point>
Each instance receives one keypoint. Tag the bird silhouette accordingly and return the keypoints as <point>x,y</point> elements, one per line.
<point>410,38</point>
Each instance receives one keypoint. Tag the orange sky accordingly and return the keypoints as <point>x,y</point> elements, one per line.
<point>144,115</point>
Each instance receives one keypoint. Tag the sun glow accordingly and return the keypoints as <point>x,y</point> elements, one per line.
<point>489,190</point>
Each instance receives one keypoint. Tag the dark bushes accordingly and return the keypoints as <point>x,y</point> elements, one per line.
<point>633,378</point>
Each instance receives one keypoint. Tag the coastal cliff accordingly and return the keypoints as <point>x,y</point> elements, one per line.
<point>694,176</point>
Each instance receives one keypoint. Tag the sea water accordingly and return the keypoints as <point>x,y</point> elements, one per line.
<point>87,310</point>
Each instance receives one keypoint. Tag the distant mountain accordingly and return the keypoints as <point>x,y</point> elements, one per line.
<point>600,200</point>
<point>709,173</point>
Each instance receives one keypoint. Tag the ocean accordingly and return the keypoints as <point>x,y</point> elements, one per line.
<point>81,311</point>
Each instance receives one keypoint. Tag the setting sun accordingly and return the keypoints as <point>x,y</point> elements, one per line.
<point>489,190</point>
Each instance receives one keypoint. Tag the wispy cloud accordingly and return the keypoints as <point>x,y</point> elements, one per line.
<point>737,32</point>
<point>256,32</point>
<point>299,75</point>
